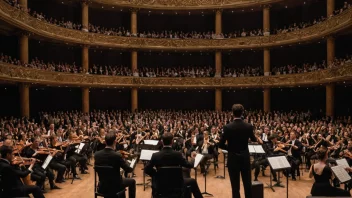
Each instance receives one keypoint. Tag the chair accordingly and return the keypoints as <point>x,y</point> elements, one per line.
<point>169,183</point>
<point>104,174</point>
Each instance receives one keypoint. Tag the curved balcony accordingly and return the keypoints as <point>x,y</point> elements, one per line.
<point>14,73</point>
<point>28,23</point>
<point>185,4</point>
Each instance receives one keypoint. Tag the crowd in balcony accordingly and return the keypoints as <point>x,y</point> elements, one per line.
<point>121,31</point>
<point>191,71</point>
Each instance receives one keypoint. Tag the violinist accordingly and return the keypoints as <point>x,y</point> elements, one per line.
<point>71,152</point>
<point>206,148</point>
<point>39,174</point>
<point>13,187</point>
<point>294,154</point>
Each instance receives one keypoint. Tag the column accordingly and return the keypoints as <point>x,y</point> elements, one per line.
<point>85,100</point>
<point>267,100</point>
<point>134,99</point>
<point>85,59</point>
<point>134,21</point>
<point>218,64</point>
<point>85,16</point>
<point>24,99</point>
<point>23,4</point>
<point>266,20</point>
<point>218,99</point>
<point>218,22</point>
<point>330,7</point>
<point>23,48</point>
<point>330,49</point>
<point>267,62</point>
<point>330,99</point>
<point>134,61</point>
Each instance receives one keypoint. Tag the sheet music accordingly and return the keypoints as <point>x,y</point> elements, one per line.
<point>47,161</point>
<point>342,162</point>
<point>258,149</point>
<point>80,147</point>
<point>224,151</point>
<point>341,173</point>
<point>279,162</point>
<point>147,154</point>
<point>251,149</point>
<point>133,162</point>
<point>197,160</point>
<point>151,142</point>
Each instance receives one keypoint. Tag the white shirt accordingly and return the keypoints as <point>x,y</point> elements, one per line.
<point>290,150</point>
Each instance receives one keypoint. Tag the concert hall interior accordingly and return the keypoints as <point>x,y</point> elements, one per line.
<point>142,98</point>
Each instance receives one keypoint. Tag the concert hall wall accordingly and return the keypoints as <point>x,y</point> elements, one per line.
<point>54,99</point>
<point>110,18</point>
<point>9,46</point>
<point>249,98</point>
<point>107,99</point>
<point>343,104</point>
<point>237,21</point>
<point>176,99</point>
<point>109,57</point>
<point>241,59</point>
<point>9,100</point>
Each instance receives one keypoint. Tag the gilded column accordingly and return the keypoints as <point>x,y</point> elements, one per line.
<point>134,99</point>
<point>23,4</point>
<point>24,99</point>
<point>330,7</point>
<point>134,21</point>
<point>330,49</point>
<point>267,62</point>
<point>134,61</point>
<point>218,99</point>
<point>23,48</point>
<point>85,100</point>
<point>218,22</point>
<point>266,20</point>
<point>267,99</point>
<point>85,15</point>
<point>85,59</point>
<point>218,64</point>
<point>330,99</point>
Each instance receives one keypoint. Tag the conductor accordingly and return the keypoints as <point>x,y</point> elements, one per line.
<point>237,134</point>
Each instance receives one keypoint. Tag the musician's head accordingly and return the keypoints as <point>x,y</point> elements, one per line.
<point>6,152</point>
<point>35,142</point>
<point>322,153</point>
<point>8,142</point>
<point>237,110</point>
<point>110,139</point>
<point>167,139</point>
<point>293,135</point>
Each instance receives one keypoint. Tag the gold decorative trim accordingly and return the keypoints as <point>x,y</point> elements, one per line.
<point>27,75</point>
<point>185,4</point>
<point>28,23</point>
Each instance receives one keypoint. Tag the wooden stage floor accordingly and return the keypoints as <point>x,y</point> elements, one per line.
<point>220,188</point>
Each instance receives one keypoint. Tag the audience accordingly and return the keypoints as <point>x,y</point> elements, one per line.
<point>172,34</point>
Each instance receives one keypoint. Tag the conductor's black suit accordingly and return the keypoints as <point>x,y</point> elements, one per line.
<point>237,134</point>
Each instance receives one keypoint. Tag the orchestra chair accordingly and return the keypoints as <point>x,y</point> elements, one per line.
<point>169,183</point>
<point>104,175</point>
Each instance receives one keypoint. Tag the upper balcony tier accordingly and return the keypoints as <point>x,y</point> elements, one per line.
<point>185,4</point>
<point>38,28</point>
<point>14,73</point>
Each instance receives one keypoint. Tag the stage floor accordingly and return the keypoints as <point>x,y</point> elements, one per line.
<point>220,188</point>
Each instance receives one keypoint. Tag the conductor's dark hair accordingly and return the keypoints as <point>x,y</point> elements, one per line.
<point>237,110</point>
<point>110,138</point>
<point>167,138</point>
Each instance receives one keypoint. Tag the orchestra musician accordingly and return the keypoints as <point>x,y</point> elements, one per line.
<point>206,148</point>
<point>294,154</point>
<point>11,176</point>
<point>168,157</point>
<point>39,174</point>
<point>108,157</point>
<point>74,140</point>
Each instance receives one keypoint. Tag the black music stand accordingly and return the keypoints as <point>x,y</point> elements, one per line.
<point>341,174</point>
<point>199,158</point>
<point>146,156</point>
<point>225,152</point>
<point>279,163</point>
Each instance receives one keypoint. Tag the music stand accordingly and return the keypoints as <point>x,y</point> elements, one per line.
<point>278,163</point>
<point>225,152</point>
<point>341,174</point>
<point>146,155</point>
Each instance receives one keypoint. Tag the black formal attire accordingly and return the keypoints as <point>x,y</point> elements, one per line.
<point>72,155</point>
<point>237,134</point>
<point>12,184</point>
<point>169,157</point>
<point>295,157</point>
<point>108,157</point>
<point>207,155</point>
<point>322,186</point>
